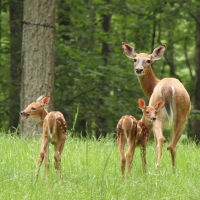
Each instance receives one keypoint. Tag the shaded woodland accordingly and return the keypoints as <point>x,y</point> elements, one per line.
<point>78,45</point>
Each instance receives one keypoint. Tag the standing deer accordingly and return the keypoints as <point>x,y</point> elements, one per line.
<point>54,132</point>
<point>136,133</point>
<point>171,90</point>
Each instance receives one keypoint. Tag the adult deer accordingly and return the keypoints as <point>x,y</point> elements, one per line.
<point>171,90</point>
<point>54,131</point>
<point>136,133</point>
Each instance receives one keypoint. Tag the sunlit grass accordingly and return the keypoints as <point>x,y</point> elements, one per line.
<point>91,170</point>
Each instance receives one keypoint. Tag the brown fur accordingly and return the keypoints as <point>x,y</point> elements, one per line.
<point>171,90</point>
<point>54,132</point>
<point>136,133</point>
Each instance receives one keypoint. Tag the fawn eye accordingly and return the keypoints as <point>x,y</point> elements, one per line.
<point>135,60</point>
<point>147,112</point>
<point>33,108</point>
<point>148,61</point>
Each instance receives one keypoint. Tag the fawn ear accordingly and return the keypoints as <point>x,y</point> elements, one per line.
<point>46,100</point>
<point>40,98</point>
<point>141,104</point>
<point>128,50</point>
<point>158,52</point>
<point>159,105</point>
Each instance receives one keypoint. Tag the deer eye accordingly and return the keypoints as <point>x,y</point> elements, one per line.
<point>135,60</point>
<point>33,108</point>
<point>148,61</point>
<point>147,112</point>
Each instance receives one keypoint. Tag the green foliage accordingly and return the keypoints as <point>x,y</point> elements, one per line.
<point>91,170</point>
<point>102,85</point>
<point>82,76</point>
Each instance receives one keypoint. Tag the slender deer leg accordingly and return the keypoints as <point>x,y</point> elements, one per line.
<point>143,156</point>
<point>129,156</point>
<point>46,161</point>
<point>57,155</point>
<point>157,129</point>
<point>175,138</point>
<point>42,155</point>
<point>121,144</point>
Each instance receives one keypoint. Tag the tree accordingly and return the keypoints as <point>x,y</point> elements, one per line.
<point>196,120</point>
<point>37,54</point>
<point>15,11</point>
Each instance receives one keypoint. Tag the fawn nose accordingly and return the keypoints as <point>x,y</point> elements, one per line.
<point>22,113</point>
<point>153,118</point>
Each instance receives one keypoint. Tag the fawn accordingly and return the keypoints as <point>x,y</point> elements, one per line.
<point>136,133</point>
<point>171,90</point>
<point>54,132</point>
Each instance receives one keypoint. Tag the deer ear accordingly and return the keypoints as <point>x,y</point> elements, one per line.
<point>128,50</point>
<point>40,98</point>
<point>158,52</point>
<point>141,104</point>
<point>159,105</point>
<point>46,100</point>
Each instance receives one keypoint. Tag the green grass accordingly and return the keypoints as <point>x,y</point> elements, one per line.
<point>91,170</point>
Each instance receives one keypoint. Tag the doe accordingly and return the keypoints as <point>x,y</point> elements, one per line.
<point>136,133</point>
<point>54,132</point>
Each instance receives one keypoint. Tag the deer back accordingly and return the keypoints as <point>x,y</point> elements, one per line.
<point>127,125</point>
<point>177,100</point>
<point>54,125</point>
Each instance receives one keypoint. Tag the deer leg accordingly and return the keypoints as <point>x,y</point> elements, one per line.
<point>58,151</point>
<point>178,129</point>
<point>143,156</point>
<point>46,161</point>
<point>57,155</point>
<point>42,155</point>
<point>158,135</point>
<point>121,144</point>
<point>129,157</point>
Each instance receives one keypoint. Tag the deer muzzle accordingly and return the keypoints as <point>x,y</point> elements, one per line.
<point>24,114</point>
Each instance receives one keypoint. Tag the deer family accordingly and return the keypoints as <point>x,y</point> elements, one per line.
<point>54,131</point>
<point>136,133</point>
<point>171,90</point>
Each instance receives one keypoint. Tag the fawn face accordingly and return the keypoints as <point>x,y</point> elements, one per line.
<point>33,110</point>
<point>36,109</point>
<point>150,112</point>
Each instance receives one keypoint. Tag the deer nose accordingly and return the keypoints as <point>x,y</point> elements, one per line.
<point>153,118</point>
<point>22,112</point>
<point>138,70</point>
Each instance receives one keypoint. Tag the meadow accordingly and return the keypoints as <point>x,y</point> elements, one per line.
<point>91,170</point>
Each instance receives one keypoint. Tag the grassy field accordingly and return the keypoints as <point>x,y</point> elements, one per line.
<point>91,171</point>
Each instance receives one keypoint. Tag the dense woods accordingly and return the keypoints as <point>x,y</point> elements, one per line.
<point>94,83</point>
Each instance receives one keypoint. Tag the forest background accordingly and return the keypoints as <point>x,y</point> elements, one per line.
<point>93,82</point>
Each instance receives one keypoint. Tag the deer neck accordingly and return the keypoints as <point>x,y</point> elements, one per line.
<point>148,125</point>
<point>148,82</point>
<point>44,113</point>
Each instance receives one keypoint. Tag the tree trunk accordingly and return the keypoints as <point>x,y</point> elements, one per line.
<point>37,55</point>
<point>196,122</point>
<point>101,120</point>
<point>16,9</point>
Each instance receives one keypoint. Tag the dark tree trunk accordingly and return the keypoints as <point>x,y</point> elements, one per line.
<point>196,122</point>
<point>16,11</point>
<point>101,119</point>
